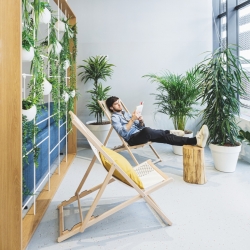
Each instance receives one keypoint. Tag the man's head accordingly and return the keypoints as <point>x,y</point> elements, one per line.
<point>113,104</point>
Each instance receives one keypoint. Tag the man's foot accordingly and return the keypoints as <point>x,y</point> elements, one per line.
<point>177,132</point>
<point>202,136</point>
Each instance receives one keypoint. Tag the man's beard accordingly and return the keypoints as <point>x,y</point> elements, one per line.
<point>117,110</point>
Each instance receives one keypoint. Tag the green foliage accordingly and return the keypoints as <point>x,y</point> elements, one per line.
<point>96,68</point>
<point>176,95</point>
<point>98,93</point>
<point>221,85</point>
<point>27,38</point>
<point>244,136</point>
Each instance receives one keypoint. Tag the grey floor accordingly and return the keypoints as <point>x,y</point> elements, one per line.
<point>215,215</point>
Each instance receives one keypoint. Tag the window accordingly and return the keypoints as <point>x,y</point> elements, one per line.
<point>232,26</point>
<point>244,51</point>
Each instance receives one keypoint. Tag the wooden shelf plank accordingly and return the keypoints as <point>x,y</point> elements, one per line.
<point>10,126</point>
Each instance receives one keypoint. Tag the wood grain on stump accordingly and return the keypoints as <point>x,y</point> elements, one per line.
<point>193,164</point>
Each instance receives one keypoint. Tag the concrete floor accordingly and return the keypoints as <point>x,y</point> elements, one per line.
<point>215,215</point>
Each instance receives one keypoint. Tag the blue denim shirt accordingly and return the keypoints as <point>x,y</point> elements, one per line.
<point>119,121</point>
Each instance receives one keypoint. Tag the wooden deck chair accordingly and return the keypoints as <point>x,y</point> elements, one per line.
<point>149,179</point>
<point>125,145</point>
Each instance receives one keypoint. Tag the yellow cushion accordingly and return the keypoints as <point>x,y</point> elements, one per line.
<point>123,164</point>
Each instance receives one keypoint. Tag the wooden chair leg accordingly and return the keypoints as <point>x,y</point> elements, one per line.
<point>159,158</point>
<point>152,203</point>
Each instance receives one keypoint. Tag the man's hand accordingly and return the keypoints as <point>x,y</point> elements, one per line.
<point>134,116</point>
<point>140,118</point>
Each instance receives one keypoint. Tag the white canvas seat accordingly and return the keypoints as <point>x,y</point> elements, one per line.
<point>150,176</point>
<point>125,145</point>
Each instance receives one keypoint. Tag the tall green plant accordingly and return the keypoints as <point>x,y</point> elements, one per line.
<point>176,96</point>
<point>96,68</point>
<point>221,85</point>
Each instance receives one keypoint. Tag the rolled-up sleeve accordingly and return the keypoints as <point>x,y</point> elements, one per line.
<point>120,129</point>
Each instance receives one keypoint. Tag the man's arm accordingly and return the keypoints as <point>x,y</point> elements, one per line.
<point>121,129</point>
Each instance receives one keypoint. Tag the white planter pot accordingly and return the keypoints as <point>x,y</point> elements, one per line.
<point>30,113</point>
<point>47,87</point>
<point>45,16</point>
<point>225,158</point>
<point>100,131</point>
<point>73,93</point>
<point>65,96</point>
<point>178,150</point>
<point>27,56</point>
<point>57,48</point>
<point>60,26</point>
<point>66,64</point>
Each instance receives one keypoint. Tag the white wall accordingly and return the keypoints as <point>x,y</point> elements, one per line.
<point>141,37</point>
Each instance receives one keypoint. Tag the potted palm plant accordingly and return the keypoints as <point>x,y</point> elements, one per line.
<point>95,69</point>
<point>176,97</point>
<point>221,84</point>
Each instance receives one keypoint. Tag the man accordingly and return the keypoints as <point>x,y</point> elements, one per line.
<point>134,132</point>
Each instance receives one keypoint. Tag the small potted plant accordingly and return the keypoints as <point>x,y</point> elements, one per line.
<point>176,97</point>
<point>29,108</point>
<point>45,13</point>
<point>47,86</point>
<point>222,82</point>
<point>27,44</point>
<point>95,69</point>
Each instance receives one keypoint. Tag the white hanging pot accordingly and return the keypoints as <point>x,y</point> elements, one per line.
<point>47,87</point>
<point>178,150</point>
<point>57,48</point>
<point>30,113</point>
<point>60,26</point>
<point>66,64</point>
<point>27,56</point>
<point>225,158</point>
<point>73,93</point>
<point>65,96</point>
<point>45,16</point>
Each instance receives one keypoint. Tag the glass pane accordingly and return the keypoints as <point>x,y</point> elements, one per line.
<point>244,50</point>
<point>223,31</point>
<point>241,1</point>
<point>223,6</point>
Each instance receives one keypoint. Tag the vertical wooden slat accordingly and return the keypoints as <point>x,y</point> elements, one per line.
<point>72,137</point>
<point>10,126</point>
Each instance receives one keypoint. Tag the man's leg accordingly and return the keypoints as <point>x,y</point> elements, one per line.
<point>160,136</point>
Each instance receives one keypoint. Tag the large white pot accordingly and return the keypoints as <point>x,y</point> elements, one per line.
<point>225,158</point>
<point>100,131</point>
<point>47,87</point>
<point>27,56</point>
<point>60,26</point>
<point>30,113</point>
<point>178,150</point>
<point>45,16</point>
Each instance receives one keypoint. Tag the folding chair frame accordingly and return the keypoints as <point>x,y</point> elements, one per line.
<point>125,145</point>
<point>89,219</point>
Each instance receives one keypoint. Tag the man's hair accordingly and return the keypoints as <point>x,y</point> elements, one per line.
<point>110,101</point>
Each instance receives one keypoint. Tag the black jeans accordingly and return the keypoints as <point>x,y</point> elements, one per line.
<point>160,136</point>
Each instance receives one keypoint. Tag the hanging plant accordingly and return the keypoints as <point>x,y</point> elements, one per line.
<point>36,82</point>
<point>45,12</point>
<point>28,44</point>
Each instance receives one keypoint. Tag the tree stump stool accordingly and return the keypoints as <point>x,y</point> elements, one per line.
<point>193,164</point>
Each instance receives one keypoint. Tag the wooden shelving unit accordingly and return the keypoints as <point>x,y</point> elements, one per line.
<point>15,233</point>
